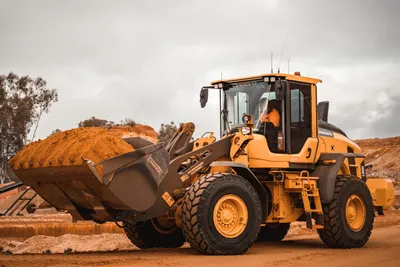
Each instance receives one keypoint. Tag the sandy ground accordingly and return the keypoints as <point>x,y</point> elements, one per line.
<point>300,248</point>
<point>306,250</point>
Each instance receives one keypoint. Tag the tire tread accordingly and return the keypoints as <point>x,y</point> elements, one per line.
<point>191,214</point>
<point>333,235</point>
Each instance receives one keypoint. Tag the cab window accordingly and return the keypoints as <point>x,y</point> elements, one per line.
<point>300,115</point>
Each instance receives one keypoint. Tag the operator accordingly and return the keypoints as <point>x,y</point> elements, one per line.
<point>271,120</point>
<point>272,115</point>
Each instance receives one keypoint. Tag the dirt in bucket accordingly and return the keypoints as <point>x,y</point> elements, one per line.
<point>73,146</point>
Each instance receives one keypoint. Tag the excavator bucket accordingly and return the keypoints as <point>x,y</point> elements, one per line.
<point>97,191</point>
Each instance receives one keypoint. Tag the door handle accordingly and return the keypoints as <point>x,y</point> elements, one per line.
<point>308,153</point>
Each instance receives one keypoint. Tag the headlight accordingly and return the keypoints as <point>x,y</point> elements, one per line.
<point>269,79</point>
<point>246,130</point>
<point>220,85</point>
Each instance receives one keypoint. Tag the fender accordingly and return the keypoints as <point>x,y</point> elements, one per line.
<point>327,168</point>
<point>242,170</point>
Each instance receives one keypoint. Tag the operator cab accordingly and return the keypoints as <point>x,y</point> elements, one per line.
<point>291,99</point>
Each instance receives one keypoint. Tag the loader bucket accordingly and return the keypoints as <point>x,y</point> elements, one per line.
<point>99,191</point>
<point>132,180</point>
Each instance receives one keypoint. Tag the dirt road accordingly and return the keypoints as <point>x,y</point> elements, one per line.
<point>383,249</point>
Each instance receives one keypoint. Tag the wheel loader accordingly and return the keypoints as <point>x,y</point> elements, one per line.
<point>223,194</point>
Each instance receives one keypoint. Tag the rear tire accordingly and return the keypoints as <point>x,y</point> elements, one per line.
<point>349,217</point>
<point>273,232</point>
<point>221,214</point>
<point>151,234</point>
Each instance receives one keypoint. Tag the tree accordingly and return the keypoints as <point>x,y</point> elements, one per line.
<point>23,101</point>
<point>166,132</point>
<point>55,131</point>
<point>95,122</point>
<point>128,122</point>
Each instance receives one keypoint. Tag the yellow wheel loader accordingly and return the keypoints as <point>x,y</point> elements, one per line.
<point>223,195</point>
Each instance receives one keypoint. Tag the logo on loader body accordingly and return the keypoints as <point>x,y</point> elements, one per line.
<point>325,133</point>
<point>155,166</point>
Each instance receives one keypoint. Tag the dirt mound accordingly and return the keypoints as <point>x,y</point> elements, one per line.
<point>375,142</point>
<point>68,244</point>
<point>88,242</point>
<point>72,147</point>
<point>51,224</point>
<point>383,154</point>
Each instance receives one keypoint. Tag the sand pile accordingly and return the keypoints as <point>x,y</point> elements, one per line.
<point>383,154</point>
<point>71,243</point>
<point>379,142</point>
<point>71,147</point>
<point>68,244</point>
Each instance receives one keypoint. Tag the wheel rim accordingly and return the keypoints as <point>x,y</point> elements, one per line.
<point>230,216</point>
<point>355,213</point>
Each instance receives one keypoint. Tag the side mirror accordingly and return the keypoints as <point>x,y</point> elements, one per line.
<point>280,88</point>
<point>247,119</point>
<point>203,97</point>
<point>322,110</point>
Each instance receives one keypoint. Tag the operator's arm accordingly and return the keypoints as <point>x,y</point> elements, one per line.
<point>274,117</point>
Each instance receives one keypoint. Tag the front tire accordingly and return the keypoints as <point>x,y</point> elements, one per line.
<point>154,234</point>
<point>221,214</point>
<point>349,217</point>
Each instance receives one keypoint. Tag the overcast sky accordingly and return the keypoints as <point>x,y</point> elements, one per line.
<point>147,60</point>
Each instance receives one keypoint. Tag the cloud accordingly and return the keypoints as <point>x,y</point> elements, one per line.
<point>147,60</point>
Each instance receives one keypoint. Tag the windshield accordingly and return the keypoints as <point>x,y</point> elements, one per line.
<point>247,98</point>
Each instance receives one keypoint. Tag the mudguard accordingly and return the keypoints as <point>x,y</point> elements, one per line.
<point>242,170</point>
<point>327,172</point>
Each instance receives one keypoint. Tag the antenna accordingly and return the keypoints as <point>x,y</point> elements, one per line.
<point>221,75</point>
<point>283,46</point>
<point>272,56</point>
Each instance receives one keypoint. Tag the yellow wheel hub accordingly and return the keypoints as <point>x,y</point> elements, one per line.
<point>355,213</point>
<point>230,216</point>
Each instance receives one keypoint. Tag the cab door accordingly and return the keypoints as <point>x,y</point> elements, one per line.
<point>302,123</point>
